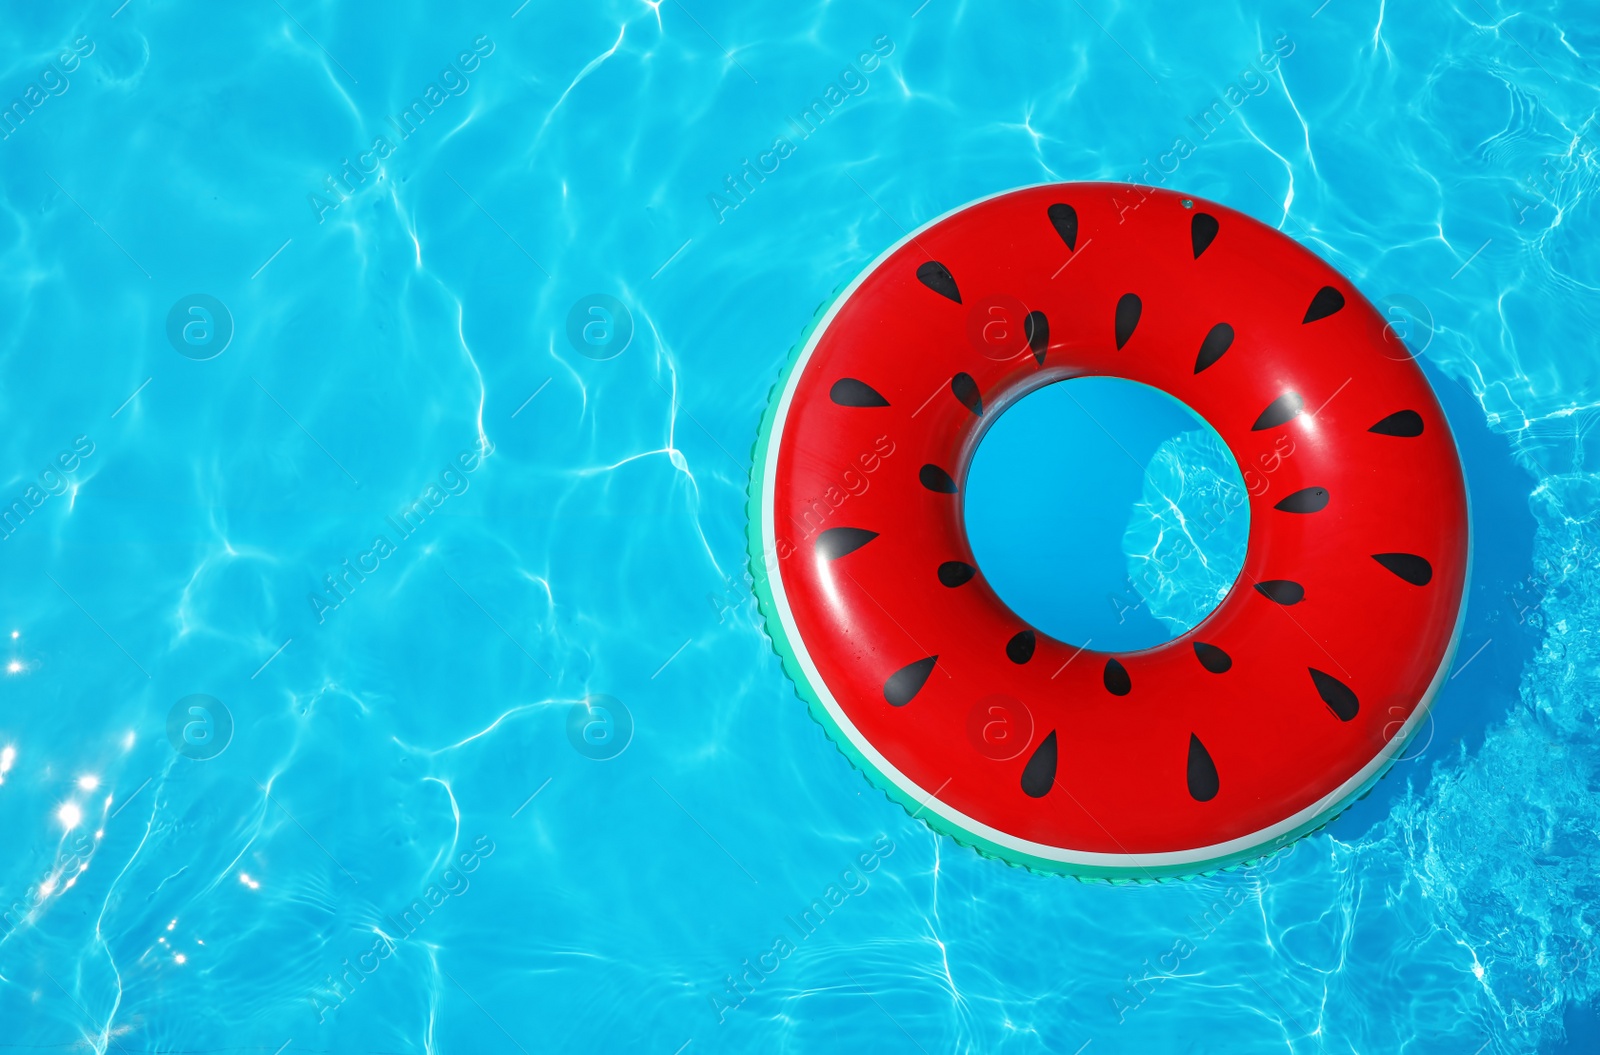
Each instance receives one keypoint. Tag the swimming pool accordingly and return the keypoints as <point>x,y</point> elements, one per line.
<point>343,485</point>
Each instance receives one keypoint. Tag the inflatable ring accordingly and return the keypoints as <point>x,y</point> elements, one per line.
<point>1216,748</point>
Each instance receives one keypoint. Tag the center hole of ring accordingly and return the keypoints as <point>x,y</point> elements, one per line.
<point>1106,513</point>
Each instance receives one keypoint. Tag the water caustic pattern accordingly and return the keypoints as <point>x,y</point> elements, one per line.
<point>382,676</point>
<point>1185,542</point>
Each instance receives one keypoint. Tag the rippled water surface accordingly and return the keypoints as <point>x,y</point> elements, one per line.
<point>1186,537</point>
<point>384,524</point>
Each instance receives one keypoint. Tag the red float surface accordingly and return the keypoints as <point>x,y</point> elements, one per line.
<point>1125,778</point>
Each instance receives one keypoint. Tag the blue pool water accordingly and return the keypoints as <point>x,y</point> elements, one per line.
<point>416,836</point>
<point>1186,541</point>
<point>1130,526</point>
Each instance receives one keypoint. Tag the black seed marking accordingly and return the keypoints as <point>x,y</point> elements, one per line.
<point>1219,340</point>
<point>936,479</point>
<point>1039,775</point>
<point>1037,329</point>
<point>1336,694</point>
<point>1282,591</point>
<point>1213,658</point>
<point>1065,220</point>
<point>1128,309</point>
<point>955,573</point>
<point>1116,678</point>
<point>908,681</point>
<point>1410,567</point>
<point>836,542</point>
<point>938,278</point>
<point>1305,500</point>
<point>848,392</point>
<point>966,390</point>
<point>1203,782</point>
<point>1327,301</point>
<point>1280,411</point>
<point>1202,229</point>
<point>1400,423</point>
<point>1020,648</point>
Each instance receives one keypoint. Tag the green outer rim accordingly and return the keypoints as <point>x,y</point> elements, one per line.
<point>928,812</point>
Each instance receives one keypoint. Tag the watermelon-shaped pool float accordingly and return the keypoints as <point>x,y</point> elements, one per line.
<point>1259,724</point>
